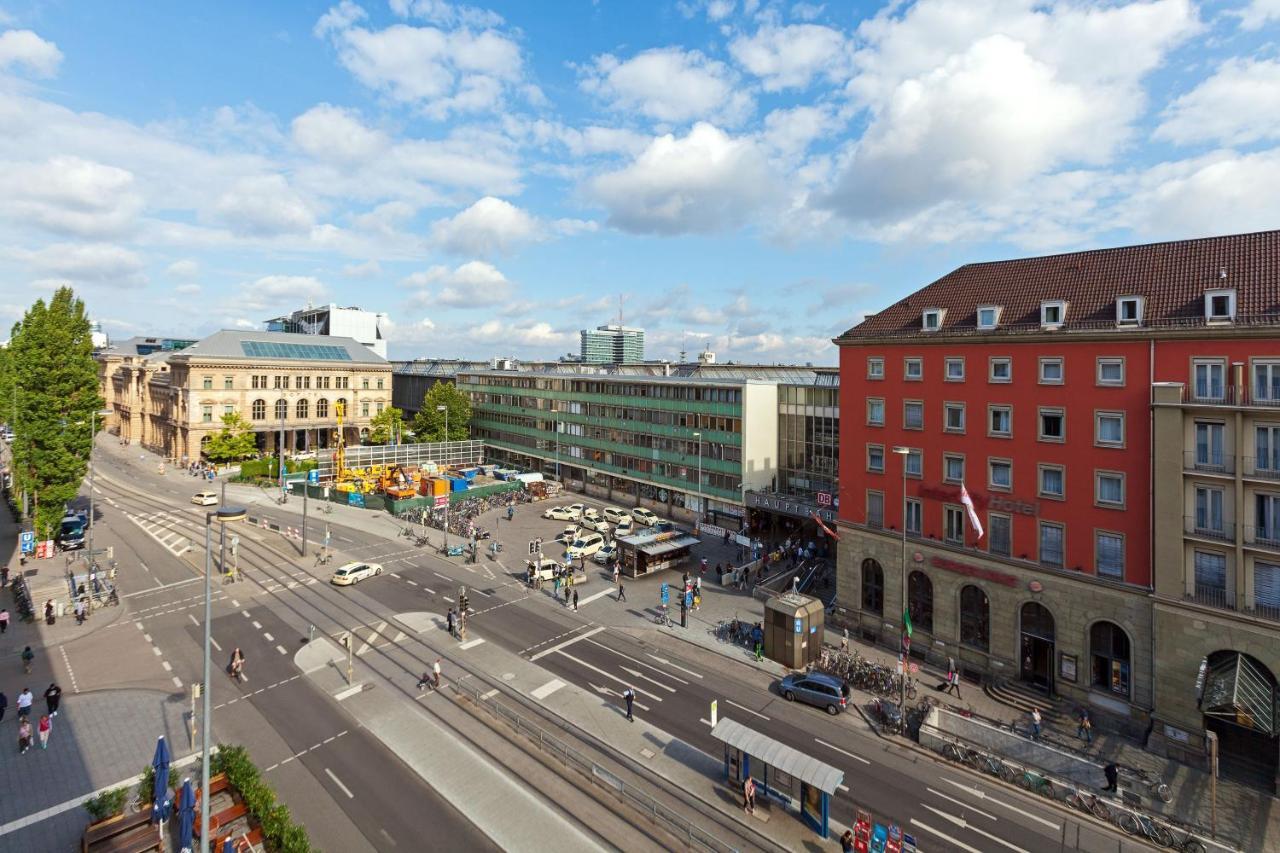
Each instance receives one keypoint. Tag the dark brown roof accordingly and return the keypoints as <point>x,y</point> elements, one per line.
<point>1173,278</point>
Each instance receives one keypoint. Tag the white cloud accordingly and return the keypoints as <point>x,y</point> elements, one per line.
<point>1238,105</point>
<point>186,268</point>
<point>276,291</point>
<point>69,195</point>
<point>187,290</point>
<point>488,227</point>
<point>704,182</point>
<point>264,205</point>
<point>717,10</point>
<point>1258,13</point>
<point>85,262</point>
<point>334,134</point>
<point>442,12</point>
<point>790,57</point>
<point>23,48</point>
<point>368,269</point>
<point>532,333</point>
<point>790,131</point>
<point>1219,193</point>
<point>475,284</point>
<point>669,85</point>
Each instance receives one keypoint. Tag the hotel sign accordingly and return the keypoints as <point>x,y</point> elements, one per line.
<point>998,503</point>
<point>791,506</point>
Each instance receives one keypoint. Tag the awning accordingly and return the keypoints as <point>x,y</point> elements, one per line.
<point>779,756</point>
<point>1235,689</point>
<point>667,545</point>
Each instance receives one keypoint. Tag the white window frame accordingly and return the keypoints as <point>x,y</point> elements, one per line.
<point>991,369</point>
<point>1046,306</point>
<point>1047,361</point>
<point>1139,302</point>
<point>937,315</point>
<point>871,401</point>
<point>1040,490</point>
<point>1051,410</point>
<point>991,480</point>
<point>1109,360</point>
<point>946,369</point>
<point>914,503</point>
<point>947,459</point>
<point>1211,295</point>
<point>1040,528</point>
<point>1097,550</point>
<point>991,410</point>
<point>905,404</point>
<point>947,409</point>
<point>995,319</point>
<point>1098,477</point>
<point>1208,363</point>
<point>872,446</point>
<point>1272,366</point>
<point>918,455</point>
<point>875,367</point>
<point>906,369</point>
<point>1098,417</point>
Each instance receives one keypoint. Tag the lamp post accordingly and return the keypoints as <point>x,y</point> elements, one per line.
<point>557,451</point>
<point>93,432</point>
<point>445,409</point>
<point>223,515</point>
<point>905,453</point>
<point>702,512</point>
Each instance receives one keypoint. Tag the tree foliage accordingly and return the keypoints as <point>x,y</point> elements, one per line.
<point>55,386</point>
<point>428,424</point>
<point>386,425</point>
<point>234,441</point>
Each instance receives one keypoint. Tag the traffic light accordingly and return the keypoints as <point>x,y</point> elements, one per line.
<point>462,600</point>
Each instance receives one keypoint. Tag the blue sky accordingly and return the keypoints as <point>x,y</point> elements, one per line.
<point>750,175</point>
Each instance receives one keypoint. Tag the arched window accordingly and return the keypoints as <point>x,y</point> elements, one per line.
<point>301,409</point>
<point>872,586</point>
<point>1037,621</point>
<point>1109,656</point>
<point>920,600</point>
<point>975,618</point>
<point>282,410</point>
<point>322,408</point>
<point>259,410</point>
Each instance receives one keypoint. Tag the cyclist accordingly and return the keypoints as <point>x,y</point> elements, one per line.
<point>27,657</point>
<point>236,667</point>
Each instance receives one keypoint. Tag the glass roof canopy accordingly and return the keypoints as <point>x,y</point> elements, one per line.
<point>308,352</point>
<point>1237,690</point>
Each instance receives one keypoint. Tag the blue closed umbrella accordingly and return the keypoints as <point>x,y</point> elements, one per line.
<point>186,815</point>
<point>160,763</point>
<point>227,846</point>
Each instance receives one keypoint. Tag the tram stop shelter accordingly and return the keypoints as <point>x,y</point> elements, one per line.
<point>782,774</point>
<point>652,552</point>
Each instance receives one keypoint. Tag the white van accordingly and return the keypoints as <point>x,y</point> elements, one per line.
<point>545,570</point>
<point>584,546</point>
<point>644,517</point>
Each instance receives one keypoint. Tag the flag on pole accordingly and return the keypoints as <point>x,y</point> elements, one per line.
<point>969,508</point>
<point>906,622</point>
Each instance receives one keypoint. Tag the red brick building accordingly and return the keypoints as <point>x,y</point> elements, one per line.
<point>1115,418</point>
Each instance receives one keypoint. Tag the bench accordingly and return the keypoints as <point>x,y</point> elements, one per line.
<point>223,817</point>
<point>243,843</point>
<point>112,826</point>
<point>142,839</point>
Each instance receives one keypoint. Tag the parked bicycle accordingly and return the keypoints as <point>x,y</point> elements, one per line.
<point>1037,784</point>
<point>1156,786</point>
<point>1139,824</point>
<point>1091,803</point>
<point>1189,842</point>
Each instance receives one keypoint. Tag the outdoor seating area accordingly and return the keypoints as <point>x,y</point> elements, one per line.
<point>122,833</point>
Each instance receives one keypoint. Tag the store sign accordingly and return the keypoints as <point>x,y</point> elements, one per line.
<point>790,506</point>
<point>973,571</point>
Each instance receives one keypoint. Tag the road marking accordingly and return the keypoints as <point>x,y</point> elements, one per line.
<point>982,795</point>
<point>635,673</point>
<point>66,661</point>
<point>268,637</point>
<point>282,650</point>
<point>167,666</point>
<point>568,642</point>
<point>964,824</point>
<point>471,644</point>
<point>610,676</point>
<point>633,660</point>
<point>745,708</point>
<point>177,682</point>
<point>257,626</point>
<point>957,842</point>
<point>444,577</point>
<point>490,694</point>
<point>146,637</point>
<point>215,644</point>
<point>482,592</point>
<point>706,722</point>
<point>547,689</point>
<point>841,751</point>
<point>194,620</point>
<point>962,804</point>
<point>235,603</point>
<point>394,575</point>
<point>601,594</point>
<point>348,693</point>
<point>666,662</point>
<point>338,782</point>
<point>162,587</point>
<point>155,650</point>
<point>245,614</point>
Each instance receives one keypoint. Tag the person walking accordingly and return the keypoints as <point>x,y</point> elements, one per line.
<point>749,795</point>
<point>1084,726</point>
<point>45,726</point>
<point>435,673</point>
<point>622,592</point>
<point>757,640</point>
<point>953,683</point>
<point>617,575</point>
<point>4,620</point>
<point>24,735</point>
<point>449,617</point>
<point>629,696</point>
<point>1112,772</point>
<point>575,599</point>
<point>24,703</point>
<point>1035,723</point>
<point>49,618</point>
<point>52,696</point>
<point>4,704</point>
<point>79,612</point>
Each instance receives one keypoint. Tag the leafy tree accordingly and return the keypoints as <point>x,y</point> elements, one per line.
<point>386,425</point>
<point>428,424</point>
<point>234,441</point>
<point>52,366</point>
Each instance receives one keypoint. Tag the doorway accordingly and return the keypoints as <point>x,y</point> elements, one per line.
<point>1037,626</point>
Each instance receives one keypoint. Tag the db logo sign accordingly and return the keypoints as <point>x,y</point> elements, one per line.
<point>824,499</point>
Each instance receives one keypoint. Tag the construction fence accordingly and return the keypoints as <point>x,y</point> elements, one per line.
<point>451,454</point>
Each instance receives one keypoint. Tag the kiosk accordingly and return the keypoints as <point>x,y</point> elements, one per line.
<point>652,552</point>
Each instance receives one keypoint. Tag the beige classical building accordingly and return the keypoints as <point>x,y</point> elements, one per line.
<point>170,395</point>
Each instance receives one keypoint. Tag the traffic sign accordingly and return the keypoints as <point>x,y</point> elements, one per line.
<point>28,538</point>
<point>313,476</point>
<point>666,594</point>
<point>442,501</point>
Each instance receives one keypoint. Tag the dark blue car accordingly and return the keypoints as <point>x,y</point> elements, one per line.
<point>816,688</point>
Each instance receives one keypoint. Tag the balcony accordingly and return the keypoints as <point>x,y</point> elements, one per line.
<point>1230,395</point>
<point>1222,531</point>
<point>1217,597</point>
<point>1268,470</point>
<point>1208,462</point>
<point>1264,537</point>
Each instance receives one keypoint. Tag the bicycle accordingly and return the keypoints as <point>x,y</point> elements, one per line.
<point>1037,784</point>
<point>663,617</point>
<point>1154,784</point>
<point>1139,824</point>
<point>1090,803</point>
<point>958,753</point>
<point>990,764</point>
<point>1188,842</point>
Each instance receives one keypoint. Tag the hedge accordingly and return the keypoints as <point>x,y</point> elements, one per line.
<point>278,829</point>
<point>268,469</point>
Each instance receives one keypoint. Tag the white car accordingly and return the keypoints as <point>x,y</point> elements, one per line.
<point>600,526</point>
<point>614,514</point>
<point>584,546</point>
<point>626,527</point>
<point>205,499</point>
<point>591,514</point>
<point>605,554</point>
<point>643,517</point>
<point>567,535</point>
<point>546,569</point>
<point>353,573</point>
<point>576,509</point>
<point>560,513</point>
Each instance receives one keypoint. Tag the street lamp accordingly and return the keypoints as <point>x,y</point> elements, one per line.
<point>445,409</point>
<point>223,515</point>
<point>93,433</point>
<point>905,453</point>
<point>702,512</point>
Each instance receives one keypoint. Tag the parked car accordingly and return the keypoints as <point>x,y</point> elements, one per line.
<point>560,513</point>
<point>614,514</point>
<point>546,568</point>
<point>644,517</point>
<point>606,554</point>
<point>205,499</point>
<point>816,688</point>
<point>567,535</point>
<point>577,510</point>
<point>584,546</point>
<point>591,514</point>
<point>353,573</point>
<point>625,527</point>
<point>599,525</point>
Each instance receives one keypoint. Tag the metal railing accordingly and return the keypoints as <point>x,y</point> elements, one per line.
<point>1268,470</point>
<point>1268,537</point>
<point>1227,395</point>
<point>1212,596</point>
<point>1211,463</point>
<point>1224,531</point>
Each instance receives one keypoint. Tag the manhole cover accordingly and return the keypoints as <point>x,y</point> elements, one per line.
<point>507,676</point>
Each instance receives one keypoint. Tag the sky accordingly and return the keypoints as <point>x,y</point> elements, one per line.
<point>749,176</point>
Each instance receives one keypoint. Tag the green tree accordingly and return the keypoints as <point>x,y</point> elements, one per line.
<point>428,424</point>
<point>386,425</point>
<point>51,363</point>
<point>234,441</point>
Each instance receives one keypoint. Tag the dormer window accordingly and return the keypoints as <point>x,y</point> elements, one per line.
<point>988,316</point>
<point>1129,311</point>
<point>1053,314</point>
<point>1220,306</point>
<point>931,320</point>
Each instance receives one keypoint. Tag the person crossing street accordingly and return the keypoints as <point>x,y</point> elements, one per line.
<point>630,696</point>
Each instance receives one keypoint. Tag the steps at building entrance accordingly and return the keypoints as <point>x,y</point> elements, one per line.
<point>1023,697</point>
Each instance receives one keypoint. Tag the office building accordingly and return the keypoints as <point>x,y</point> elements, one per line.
<point>612,345</point>
<point>365,326</point>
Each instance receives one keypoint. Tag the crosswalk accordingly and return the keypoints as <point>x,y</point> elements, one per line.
<point>160,526</point>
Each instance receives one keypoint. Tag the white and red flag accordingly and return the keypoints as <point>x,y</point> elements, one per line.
<point>969,508</point>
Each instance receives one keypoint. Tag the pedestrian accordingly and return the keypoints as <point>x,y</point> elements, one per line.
<point>575,600</point>
<point>44,728</point>
<point>622,592</point>
<point>749,795</point>
<point>435,672</point>
<point>1084,726</point>
<point>4,575</point>
<point>846,841</point>
<point>79,612</point>
<point>630,696</point>
<point>424,679</point>
<point>24,735</point>
<point>24,703</point>
<point>449,617</point>
<point>726,536</point>
<point>4,620</point>
<point>4,704</point>
<point>757,640</point>
<point>697,601</point>
<point>953,683</point>
<point>52,696</point>
<point>617,575</point>
<point>49,618</point>
<point>1112,772</point>
<point>555,581</point>
<point>1035,723</point>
